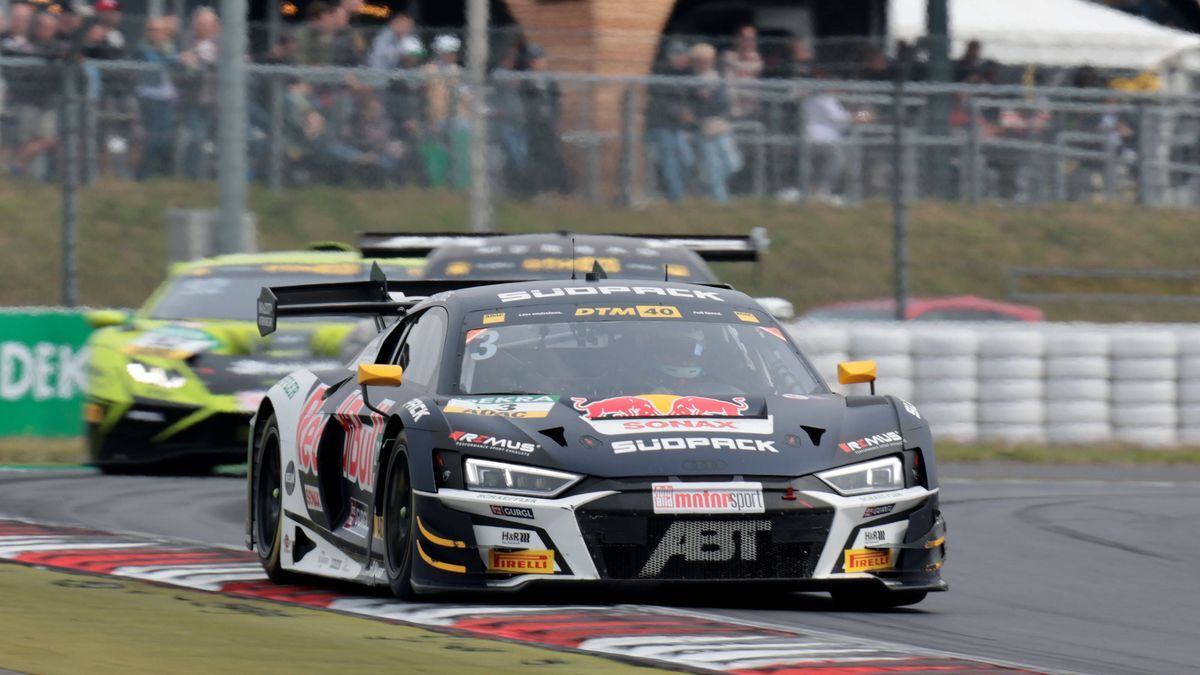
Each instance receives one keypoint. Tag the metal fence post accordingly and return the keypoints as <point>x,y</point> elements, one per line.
<point>231,129</point>
<point>1145,195</point>
<point>803,156</point>
<point>899,197</point>
<point>69,127</point>
<point>628,142</point>
<point>973,162</point>
<point>275,139</point>
<point>87,132</point>
<point>591,146</point>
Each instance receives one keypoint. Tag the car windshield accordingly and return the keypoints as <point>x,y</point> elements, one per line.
<point>536,264</point>
<point>228,293</point>
<point>610,358</point>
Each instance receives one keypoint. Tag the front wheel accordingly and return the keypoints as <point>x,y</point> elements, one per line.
<point>875,599</point>
<point>398,531</point>
<point>268,503</point>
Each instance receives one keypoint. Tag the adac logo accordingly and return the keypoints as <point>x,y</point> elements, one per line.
<point>660,405</point>
<point>521,562</point>
<point>877,442</point>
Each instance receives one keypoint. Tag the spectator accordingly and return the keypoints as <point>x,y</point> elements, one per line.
<point>109,14</point>
<point>315,39</point>
<point>35,92</point>
<point>407,107</point>
<point>712,105</point>
<point>743,66</point>
<point>15,40</point>
<point>668,117</point>
<point>971,61</point>
<point>797,64</point>
<point>388,48</point>
<point>200,90</point>
<point>157,96</point>
<point>370,133</point>
<point>543,110</point>
<point>510,124</point>
<point>444,149</point>
<point>826,122</point>
<point>348,44</point>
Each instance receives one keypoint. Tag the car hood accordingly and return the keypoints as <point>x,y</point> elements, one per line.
<point>666,435</point>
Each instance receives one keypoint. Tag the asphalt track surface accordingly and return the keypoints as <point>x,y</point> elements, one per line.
<point>1094,576</point>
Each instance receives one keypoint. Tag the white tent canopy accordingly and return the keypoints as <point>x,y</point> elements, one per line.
<point>1049,32</point>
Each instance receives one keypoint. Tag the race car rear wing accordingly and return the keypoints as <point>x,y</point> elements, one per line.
<point>377,296</point>
<point>710,247</point>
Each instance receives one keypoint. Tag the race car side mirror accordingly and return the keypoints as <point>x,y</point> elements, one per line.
<point>103,318</point>
<point>855,372</point>
<point>380,374</point>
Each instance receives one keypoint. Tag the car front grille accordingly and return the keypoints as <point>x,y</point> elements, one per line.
<point>783,545</point>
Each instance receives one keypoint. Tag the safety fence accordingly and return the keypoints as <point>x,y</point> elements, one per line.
<point>611,138</point>
<point>43,364</point>
<point>1063,384</point>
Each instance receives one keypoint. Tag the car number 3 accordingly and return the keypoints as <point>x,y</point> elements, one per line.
<point>485,346</point>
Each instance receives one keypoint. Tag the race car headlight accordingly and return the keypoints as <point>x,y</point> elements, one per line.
<point>515,479</point>
<point>155,375</point>
<point>876,475</point>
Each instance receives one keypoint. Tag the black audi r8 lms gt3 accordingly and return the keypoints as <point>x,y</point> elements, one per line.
<point>505,434</point>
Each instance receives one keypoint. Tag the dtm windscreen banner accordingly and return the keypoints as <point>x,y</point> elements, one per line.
<point>42,370</point>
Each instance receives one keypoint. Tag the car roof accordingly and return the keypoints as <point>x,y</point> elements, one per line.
<point>631,251</point>
<point>603,291</point>
<point>290,257</point>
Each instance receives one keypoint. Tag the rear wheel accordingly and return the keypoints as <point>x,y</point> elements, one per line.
<point>268,503</point>
<point>875,599</point>
<point>398,531</point>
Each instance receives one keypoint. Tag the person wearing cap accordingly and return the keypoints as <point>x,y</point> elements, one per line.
<point>543,110</point>
<point>444,97</point>
<point>668,118</point>
<point>157,98</point>
<point>506,113</point>
<point>108,12</point>
<point>199,92</point>
<point>711,103</point>
<point>388,47</point>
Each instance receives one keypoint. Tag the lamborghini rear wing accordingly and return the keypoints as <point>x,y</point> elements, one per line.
<point>710,247</point>
<point>376,296</point>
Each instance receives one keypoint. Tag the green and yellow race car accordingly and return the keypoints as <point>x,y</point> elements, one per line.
<point>171,387</point>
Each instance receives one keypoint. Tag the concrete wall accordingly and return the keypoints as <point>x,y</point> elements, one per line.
<point>1136,384</point>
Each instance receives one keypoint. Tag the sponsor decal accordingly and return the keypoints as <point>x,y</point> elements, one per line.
<point>458,269</point>
<point>515,537</point>
<point>707,497</point>
<point>487,537</point>
<point>580,264</point>
<point>874,537</point>
<point>532,406</point>
<point>880,497</point>
<point>524,315</point>
<point>172,342</point>
<point>330,269</point>
<point>486,442</point>
<point>619,427</point>
<point>910,409</point>
<point>748,317</point>
<point>884,441</point>
<point>718,541</point>
<point>287,543</point>
<point>361,439</point>
<point>493,317</point>
<point>660,405</point>
<point>866,560</point>
<point>312,497</point>
<point>251,367</point>
<point>693,443</point>
<point>643,311</point>
<point>702,312</point>
<point>356,520</point>
<point>289,386</point>
<point>308,430</point>
<point>521,562</point>
<point>880,510</point>
<point>512,511</point>
<point>773,331</point>
<point>378,529</point>
<point>417,408</point>
<point>289,478</point>
<point>540,294</point>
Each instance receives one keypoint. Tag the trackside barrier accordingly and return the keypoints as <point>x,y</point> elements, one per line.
<point>1063,384</point>
<point>42,369</point>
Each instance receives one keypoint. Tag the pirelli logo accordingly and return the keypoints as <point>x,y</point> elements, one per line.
<point>866,560</point>
<point>643,311</point>
<point>521,562</point>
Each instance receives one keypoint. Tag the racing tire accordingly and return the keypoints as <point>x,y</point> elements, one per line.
<point>399,532</point>
<point>875,599</point>
<point>268,504</point>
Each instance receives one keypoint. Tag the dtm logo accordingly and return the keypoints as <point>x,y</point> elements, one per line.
<point>882,441</point>
<point>713,541</point>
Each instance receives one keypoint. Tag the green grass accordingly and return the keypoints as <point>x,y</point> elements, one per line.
<point>28,450</point>
<point>819,254</point>
<point>1045,454</point>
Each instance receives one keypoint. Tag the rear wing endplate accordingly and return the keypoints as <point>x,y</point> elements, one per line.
<point>710,247</point>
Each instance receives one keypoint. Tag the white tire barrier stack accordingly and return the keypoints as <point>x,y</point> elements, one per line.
<point>826,345</point>
<point>944,380</point>
<point>1010,386</point>
<point>1189,388</point>
<point>890,351</point>
<point>1143,393</point>
<point>1076,389</point>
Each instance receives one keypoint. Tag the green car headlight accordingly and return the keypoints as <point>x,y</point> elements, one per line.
<point>156,376</point>
<point>515,479</point>
<point>877,475</point>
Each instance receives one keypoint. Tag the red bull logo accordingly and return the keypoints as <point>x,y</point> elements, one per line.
<point>660,405</point>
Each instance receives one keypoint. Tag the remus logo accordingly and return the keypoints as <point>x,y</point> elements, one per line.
<point>877,442</point>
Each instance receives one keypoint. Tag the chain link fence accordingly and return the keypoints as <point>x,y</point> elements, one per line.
<point>612,139</point>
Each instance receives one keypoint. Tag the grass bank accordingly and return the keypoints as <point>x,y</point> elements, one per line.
<point>819,253</point>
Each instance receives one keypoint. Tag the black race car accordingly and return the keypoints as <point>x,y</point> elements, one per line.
<point>591,430</point>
